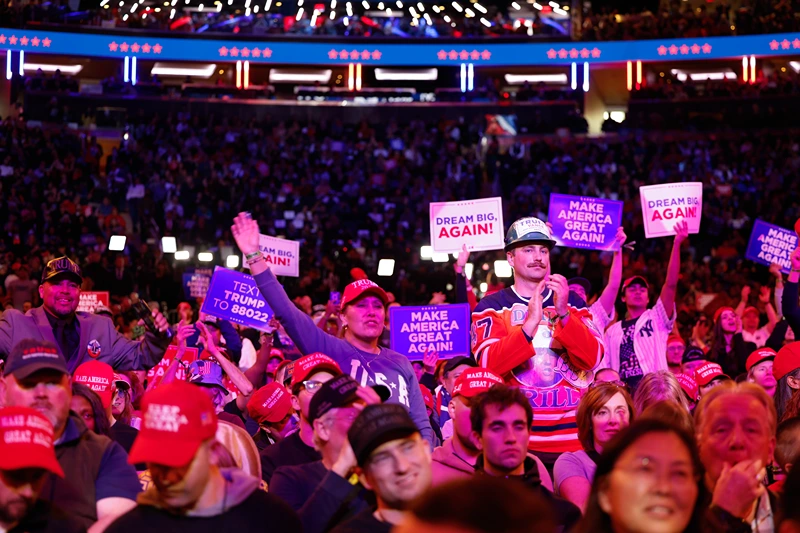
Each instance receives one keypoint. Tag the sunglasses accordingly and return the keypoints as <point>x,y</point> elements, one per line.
<point>616,383</point>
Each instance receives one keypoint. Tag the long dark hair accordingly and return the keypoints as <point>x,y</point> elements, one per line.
<point>595,520</point>
<point>101,423</point>
<point>717,352</point>
<point>784,393</point>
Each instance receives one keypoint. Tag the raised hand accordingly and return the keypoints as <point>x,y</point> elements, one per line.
<point>746,293</point>
<point>245,233</point>
<point>620,238</point>
<point>463,258</point>
<point>429,360</point>
<point>681,232</point>
<point>764,295</point>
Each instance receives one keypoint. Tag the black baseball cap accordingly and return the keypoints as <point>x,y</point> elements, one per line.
<point>455,362</point>
<point>376,425</point>
<point>338,392</point>
<point>583,282</point>
<point>693,353</point>
<point>62,266</point>
<point>29,356</point>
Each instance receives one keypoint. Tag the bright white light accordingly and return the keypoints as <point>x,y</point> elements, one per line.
<point>172,14</point>
<point>515,6</point>
<point>267,5</point>
<point>47,67</point>
<point>480,7</point>
<point>559,11</point>
<point>321,76</point>
<point>486,22</point>
<point>380,6</point>
<point>117,243</point>
<point>428,19</point>
<point>183,255</point>
<point>346,21</point>
<point>201,7</point>
<point>365,4</point>
<point>183,70</point>
<point>470,13</point>
<point>169,245</point>
<point>617,116</point>
<point>333,15</point>
<point>299,14</point>
<point>484,287</point>
<point>420,6</point>
<point>232,261</point>
<point>457,7</point>
<point>537,5</point>
<point>426,252</point>
<point>125,136</point>
<point>436,9</point>
<point>502,269</point>
<point>386,267</point>
<point>125,17</point>
<point>349,10</point>
<point>446,18</point>
<point>469,268</point>
<point>440,257</point>
<point>205,257</point>
<point>795,65</point>
<point>413,12</point>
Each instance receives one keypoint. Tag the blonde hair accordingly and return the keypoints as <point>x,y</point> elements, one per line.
<point>730,387</point>
<point>657,387</point>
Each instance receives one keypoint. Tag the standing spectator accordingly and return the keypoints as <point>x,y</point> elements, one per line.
<point>98,485</point>
<point>605,410</point>
<point>395,463</point>
<point>501,419</point>
<point>728,348</point>
<point>637,345</point>
<point>122,281</point>
<point>787,449</point>
<point>736,425</point>
<point>190,492</point>
<point>23,289</point>
<point>526,331</point>
<point>81,336</point>
<point>363,318</point>
<point>786,370</point>
<point>750,317</point>
<point>27,457</point>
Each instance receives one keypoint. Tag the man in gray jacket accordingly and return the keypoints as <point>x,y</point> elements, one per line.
<point>79,336</point>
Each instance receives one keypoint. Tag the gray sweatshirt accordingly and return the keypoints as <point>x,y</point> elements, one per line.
<point>387,368</point>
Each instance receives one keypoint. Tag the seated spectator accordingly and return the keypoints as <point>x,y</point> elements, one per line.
<point>759,369</point>
<point>690,390</point>
<point>693,358</point>
<point>670,413</point>
<point>320,491</point>
<point>789,508</point>
<point>787,449</point>
<point>604,410</point>
<point>98,485</point>
<point>649,478</point>
<point>394,462</point>
<point>479,504</point>
<point>271,407</point>
<point>189,491</point>
<point>451,370</point>
<point>786,370</point>
<point>430,409</point>
<point>89,407</point>
<point>501,421</point>
<point>27,457</point>
<point>736,425</point>
<point>707,377</point>
<point>656,387</point>
<point>310,373</point>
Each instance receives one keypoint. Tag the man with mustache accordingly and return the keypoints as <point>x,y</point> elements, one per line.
<point>99,484</point>
<point>79,336</point>
<point>540,337</point>
<point>637,345</point>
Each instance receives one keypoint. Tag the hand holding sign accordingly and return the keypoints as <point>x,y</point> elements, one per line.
<point>245,233</point>
<point>796,259</point>
<point>681,232</point>
<point>666,204</point>
<point>619,239</point>
<point>461,261</point>
<point>429,360</point>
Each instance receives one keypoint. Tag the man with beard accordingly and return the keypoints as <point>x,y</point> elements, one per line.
<point>99,484</point>
<point>519,332</point>
<point>79,336</point>
<point>26,458</point>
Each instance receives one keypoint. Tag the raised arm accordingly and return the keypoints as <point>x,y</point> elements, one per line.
<point>609,295</point>
<point>745,296</point>
<point>670,288</point>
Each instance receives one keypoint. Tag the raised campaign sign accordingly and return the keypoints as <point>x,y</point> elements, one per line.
<point>156,374</point>
<point>282,255</point>
<point>771,244</point>
<point>416,330</point>
<point>665,205</point>
<point>478,224</point>
<point>235,296</point>
<point>585,222</point>
<point>90,301</point>
<point>195,284</point>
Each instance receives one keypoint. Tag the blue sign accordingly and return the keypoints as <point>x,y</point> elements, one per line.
<point>427,53</point>
<point>235,296</point>
<point>195,285</point>
<point>585,222</point>
<point>771,244</point>
<point>440,328</point>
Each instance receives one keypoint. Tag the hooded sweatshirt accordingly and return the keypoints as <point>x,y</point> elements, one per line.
<point>387,368</point>
<point>242,510</point>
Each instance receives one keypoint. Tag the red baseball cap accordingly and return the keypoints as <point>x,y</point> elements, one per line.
<point>721,310</point>
<point>361,288</point>
<point>676,338</point>
<point>311,363</point>
<point>427,397</point>
<point>176,419</point>
<point>635,279</point>
<point>276,353</point>
<point>708,373</point>
<point>26,441</point>
<point>689,386</point>
<point>271,403</point>
<point>759,356</point>
<point>751,309</point>
<point>787,360</point>
<point>474,381</point>
<point>98,376</point>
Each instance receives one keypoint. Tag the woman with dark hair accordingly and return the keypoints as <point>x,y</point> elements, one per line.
<point>649,479</point>
<point>728,348</point>
<point>603,411</point>
<point>786,370</point>
<point>87,404</point>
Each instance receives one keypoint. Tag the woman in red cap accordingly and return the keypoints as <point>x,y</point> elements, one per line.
<point>363,314</point>
<point>786,370</point>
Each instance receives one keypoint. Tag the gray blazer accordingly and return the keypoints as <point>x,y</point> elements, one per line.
<point>99,340</point>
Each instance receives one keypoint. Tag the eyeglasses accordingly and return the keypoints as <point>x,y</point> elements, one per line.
<point>616,383</point>
<point>312,386</point>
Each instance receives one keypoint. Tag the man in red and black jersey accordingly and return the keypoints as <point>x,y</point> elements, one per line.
<point>539,337</point>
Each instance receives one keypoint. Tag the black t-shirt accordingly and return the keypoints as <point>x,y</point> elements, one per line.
<point>363,522</point>
<point>260,512</point>
<point>123,434</point>
<point>290,451</point>
<point>44,517</point>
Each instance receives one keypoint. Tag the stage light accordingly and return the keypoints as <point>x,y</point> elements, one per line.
<point>469,268</point>
<point>502,269</point>
<point>426,252</point>
<point>385,267</point>
<point>483,287</point>
<point>169,245</point>
<point>440,257</point>
<point>183,255</point>
<point>205,257</point>
<point>117,243</point>
<point>232,261</point>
